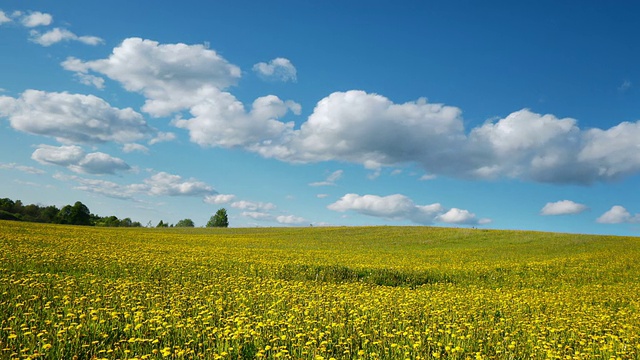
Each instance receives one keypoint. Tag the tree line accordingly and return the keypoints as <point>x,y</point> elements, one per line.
<point>79,214</point>
<point>76,214</point>
<point>219,219</point>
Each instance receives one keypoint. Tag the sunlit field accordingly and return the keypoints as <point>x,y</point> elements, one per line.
<point>316,293</point>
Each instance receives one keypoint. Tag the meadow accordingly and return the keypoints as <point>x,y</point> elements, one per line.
<point>69,292</point>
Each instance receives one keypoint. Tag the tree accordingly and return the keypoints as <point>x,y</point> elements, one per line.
<point>220,219</point>
<point>185,223</point>
<point>78,214</point>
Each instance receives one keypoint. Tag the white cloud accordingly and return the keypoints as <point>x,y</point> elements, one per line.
<point>37,18</point>
<point>128,148</point>
<point>281,219</point>
<point>102,187</point>
<point>257,215</point>
<point>613,153</point>
<point>75,159</point>
<point>222,121</point>
<point>526,145</point>
<point>25,169</point>
<point>460,216</point>
<point>322,196</point>
<point>159,184</point>
<point>279,69</point>
<point>290,219</point>
<point>563,207</point>
<point>369,129</point>
<point>331,179</point>
<point>57,35</point>
<point>167,184</point>
<point>219,198</point>
<point>400,207</point>
<point>62,155</point>
<point>253,206</point>
<point>171,76</point>
<point>177,77</point>
<point>4,18</point>
<point>618,215</point>
<point>360,127</point>
<point>90,80</point>
<point>100,163</point>
<point>72,118</point>
<point>162,137</point>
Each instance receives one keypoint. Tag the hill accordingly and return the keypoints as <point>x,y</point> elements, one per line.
<point>344,292</point>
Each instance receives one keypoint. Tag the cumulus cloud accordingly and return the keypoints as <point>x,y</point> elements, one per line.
<point>362,128</point>
<point>73,118</point>
<point>257,215</point>
<point>171,76</point>
<point>100,163</point>
<point>177,77</point>
<point>253,206</point>
<point>162,137</point>
<point>23,168</point>
<point>290,219</point>
<point>129,148</point>
<point>219,198</point>
<point>101,187</point>
<point>330,180</point>
<point>280,219</point>
<point>62,155</point>
<point>563,207</point>
<point>36,18</point>
<point>222,121</point>
<point>75,159</point>
<point>460,216</point>
<point>612,153</point>
<point>400,207</point>
<point>159,184</point>
<point>279,69</point>
<point>618,215</point>
<point>369,129</point>
<point>167,184</point>
<point>57,35</point>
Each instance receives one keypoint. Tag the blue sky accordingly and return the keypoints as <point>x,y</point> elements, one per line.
<point>508,115</point>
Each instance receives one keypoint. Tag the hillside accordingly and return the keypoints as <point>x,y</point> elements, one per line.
<point>380,292</point>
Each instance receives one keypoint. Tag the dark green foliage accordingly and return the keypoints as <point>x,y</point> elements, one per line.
<point>220,219</point>
<point>341,274</point>
<point>76,214</point>
<point>185,223</point>
<point>5,215</point>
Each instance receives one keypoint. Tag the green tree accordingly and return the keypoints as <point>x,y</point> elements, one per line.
<point>185,223</point>
<point>78,214</point>
<point>220,219</point>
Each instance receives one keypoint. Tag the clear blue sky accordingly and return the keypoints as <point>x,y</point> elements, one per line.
<point>501,114</point>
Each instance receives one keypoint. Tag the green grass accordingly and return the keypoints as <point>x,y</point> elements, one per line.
<point>343,292</point>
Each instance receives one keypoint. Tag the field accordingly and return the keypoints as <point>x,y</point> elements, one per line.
<point>316,293</point>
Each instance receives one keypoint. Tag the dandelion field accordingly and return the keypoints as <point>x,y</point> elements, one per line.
<point>316,293</point>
